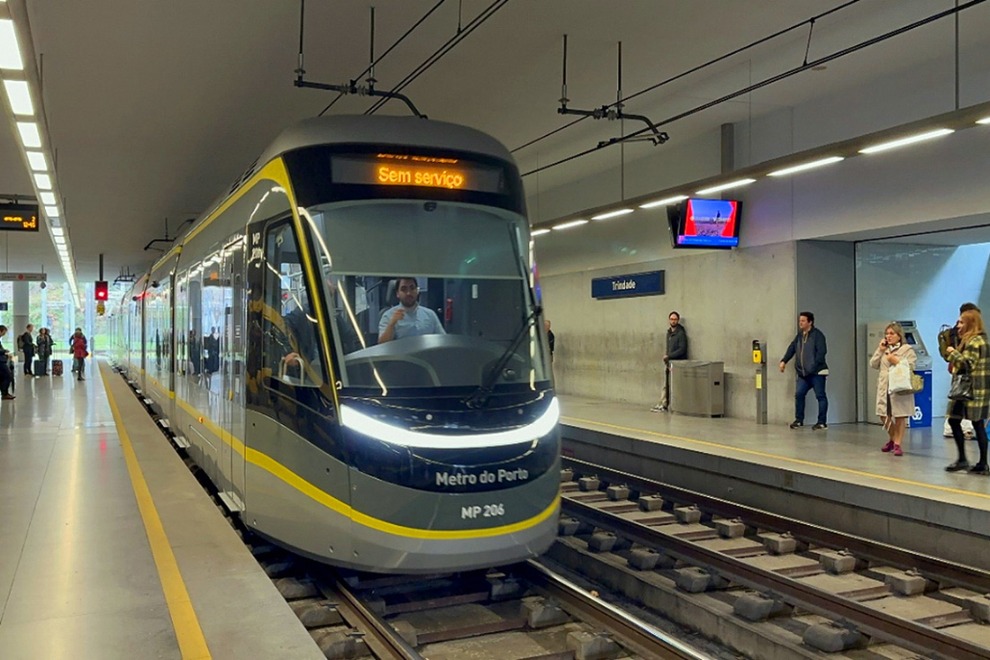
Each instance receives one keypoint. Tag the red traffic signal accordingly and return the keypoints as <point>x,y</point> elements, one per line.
<point>102,290</point>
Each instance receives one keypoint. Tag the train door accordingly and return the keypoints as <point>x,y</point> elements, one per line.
<point>232,370</point>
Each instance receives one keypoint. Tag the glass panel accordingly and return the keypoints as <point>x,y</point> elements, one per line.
<point>428,294</point>
<point>291,347</point>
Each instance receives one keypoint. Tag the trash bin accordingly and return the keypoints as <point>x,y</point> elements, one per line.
<point>697,387</point>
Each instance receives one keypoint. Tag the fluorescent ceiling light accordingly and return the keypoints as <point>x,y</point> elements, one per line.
<point>51,211</point>
<point>611,214</point>
<point>59,240</point>
<point>725,186</point>
<point>10,52</point>
<point>57,231</point>
<point>806,166</point>
<point>663,202</point>
<point>54,222</point>
<point>30,137</point>
<point>37,161</point>
<point>47,198</point>
<point>43,181</point>
<point>539,232</point>
<point>985,120</point>
<point>572,223</point>
<point>893,144</point>
<point>19,95</point>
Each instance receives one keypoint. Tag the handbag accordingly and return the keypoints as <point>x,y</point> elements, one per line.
<point>917,383</point>
<point>961,388</point>
<point>899,379</point>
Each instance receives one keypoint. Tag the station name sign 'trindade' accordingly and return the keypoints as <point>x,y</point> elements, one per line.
<point>627,286</point>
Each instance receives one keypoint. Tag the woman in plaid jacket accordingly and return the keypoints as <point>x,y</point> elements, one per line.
<point>972,356</point>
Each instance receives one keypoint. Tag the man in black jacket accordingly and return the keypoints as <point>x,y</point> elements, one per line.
<point>808,349</point>
<point>26,343</point>
<point>677,348</point>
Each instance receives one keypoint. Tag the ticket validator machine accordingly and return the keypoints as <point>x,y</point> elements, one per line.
<point>760,360</point>
<point>922,416</point>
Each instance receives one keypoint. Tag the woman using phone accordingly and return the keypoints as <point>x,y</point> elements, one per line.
<point>893,407</point>
<point>972,356</point>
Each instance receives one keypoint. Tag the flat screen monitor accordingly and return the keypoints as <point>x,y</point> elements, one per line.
<point>705,223</point>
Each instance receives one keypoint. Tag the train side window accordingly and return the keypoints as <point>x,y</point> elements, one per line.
<point>291,343</point>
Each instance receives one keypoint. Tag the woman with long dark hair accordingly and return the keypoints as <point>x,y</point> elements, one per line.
<point>972,356</point>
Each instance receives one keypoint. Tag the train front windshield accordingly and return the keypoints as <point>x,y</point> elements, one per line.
<point>427,294</point>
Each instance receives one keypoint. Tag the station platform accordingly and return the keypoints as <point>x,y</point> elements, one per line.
<point>836,478</point>
<point>110,548</point>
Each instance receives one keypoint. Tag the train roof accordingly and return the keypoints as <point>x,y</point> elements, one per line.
<point>384,130</point>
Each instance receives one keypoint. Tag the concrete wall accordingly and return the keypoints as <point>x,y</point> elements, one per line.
<point>612,349</point>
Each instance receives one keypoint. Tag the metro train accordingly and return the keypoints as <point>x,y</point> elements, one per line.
<point>256,338</point>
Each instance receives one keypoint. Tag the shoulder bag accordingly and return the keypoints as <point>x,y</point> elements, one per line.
<point>961,388</point>
<point>899,379</point>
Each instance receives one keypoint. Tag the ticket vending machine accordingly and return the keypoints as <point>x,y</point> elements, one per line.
<point>922,416</point>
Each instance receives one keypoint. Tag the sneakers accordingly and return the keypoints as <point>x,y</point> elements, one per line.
<point>888,447</point>
<point>898,451</point>
<point>658,408</point>
<point>7,397</point>
<point>958,465</point>
<point>819,427</point>
<point>796,424</point>
<point>980,468</point>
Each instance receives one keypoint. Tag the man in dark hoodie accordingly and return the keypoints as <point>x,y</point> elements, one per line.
<point>808,349</point>
<point>677,348</point>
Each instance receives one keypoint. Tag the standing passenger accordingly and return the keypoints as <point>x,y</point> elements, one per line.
<point>26,343</point>
<point>45,344</point>
<point>810,367</point>
<point>677,349</point>
<point>79,353</point>
<point>972,357</point>
<point>5,375</point>
<point>893,408</point>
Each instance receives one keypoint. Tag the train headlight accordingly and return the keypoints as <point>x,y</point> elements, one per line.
<point>379,430</point>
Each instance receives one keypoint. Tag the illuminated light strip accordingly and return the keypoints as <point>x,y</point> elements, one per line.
<point>395,435</point>
<point>893,144</point>
<point>807,166</point>
<point>572,223</point>
<point>612,214</point>
<point>663,202</point>
<point>985,120</point>
<point>539,232</point>
<point>725,186</point>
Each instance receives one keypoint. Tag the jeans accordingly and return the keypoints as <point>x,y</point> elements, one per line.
<point>805,383</point>
<point>77,366</point>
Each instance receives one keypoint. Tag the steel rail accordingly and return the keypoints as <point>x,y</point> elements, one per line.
<point>381,638</point>
<point>875,623</point>
<point>637,635</point>
<point>937,569</point>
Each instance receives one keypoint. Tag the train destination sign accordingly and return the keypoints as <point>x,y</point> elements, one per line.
<point>385,169</point>
<point>19,217</point>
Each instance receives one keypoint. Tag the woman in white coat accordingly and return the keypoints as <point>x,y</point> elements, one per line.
<point>893,409</point>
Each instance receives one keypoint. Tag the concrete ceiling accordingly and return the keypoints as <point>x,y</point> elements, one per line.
<point>154,107</point>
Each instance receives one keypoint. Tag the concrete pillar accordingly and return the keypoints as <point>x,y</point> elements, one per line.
<point>20,309</point>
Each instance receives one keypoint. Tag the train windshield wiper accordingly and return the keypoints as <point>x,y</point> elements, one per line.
<point>480,396</point>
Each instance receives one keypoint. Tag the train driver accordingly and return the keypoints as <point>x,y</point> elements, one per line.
<point>408,318</point>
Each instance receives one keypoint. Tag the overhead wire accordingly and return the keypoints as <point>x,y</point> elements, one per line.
<point>382,56</point>
<point>449,45</point>
<point>697,68</point>
<point>768,81</point>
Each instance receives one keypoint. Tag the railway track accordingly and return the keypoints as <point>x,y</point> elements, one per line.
<point>812,589</point>
<point>520,611</point>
